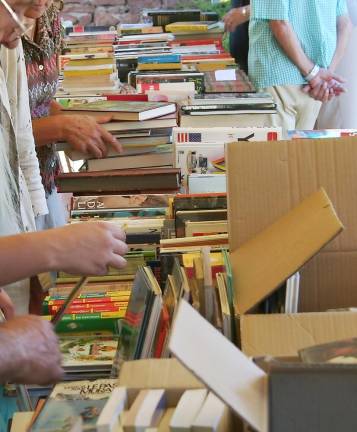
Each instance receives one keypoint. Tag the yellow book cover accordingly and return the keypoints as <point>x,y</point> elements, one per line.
<point>159,66</point>
<point>206,67</point>
<point>90,62</point>
<point>191,26</point>
<point>85,73</point>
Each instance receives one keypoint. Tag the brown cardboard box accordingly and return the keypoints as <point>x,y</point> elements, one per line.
<point>168,374</point>
<point>263,263</point>
<point>284,335</point>
<point>283,396</point>
<point>268,180</point>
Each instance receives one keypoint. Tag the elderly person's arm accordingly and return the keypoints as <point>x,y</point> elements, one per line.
<point>29,352</point>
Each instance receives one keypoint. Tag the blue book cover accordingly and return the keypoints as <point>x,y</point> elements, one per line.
<point>163,58</point>
<point>73,400</point>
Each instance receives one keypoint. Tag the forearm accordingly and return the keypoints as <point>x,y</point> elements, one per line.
<point>47,130</point>
<point>290,44</point>
<point>344,28</point>
<point>25,255</point>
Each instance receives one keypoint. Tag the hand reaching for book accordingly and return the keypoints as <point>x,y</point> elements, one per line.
<point>86,135</point>
<point>29,351</point>
<point>89,248</point>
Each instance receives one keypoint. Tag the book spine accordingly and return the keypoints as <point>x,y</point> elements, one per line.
<point>174,58</point>
<point>95,298</point>
<point>87,322</point>
<point>119,307</point>
<point>187,28</point>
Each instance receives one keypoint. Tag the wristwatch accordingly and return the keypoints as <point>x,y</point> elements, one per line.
<point>312,74</point>
<point>244,11</point>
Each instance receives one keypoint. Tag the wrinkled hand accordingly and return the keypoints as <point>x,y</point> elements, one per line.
<point>85,134</point>
<point>6,305</point>
<point>325,86</point>
<point>89,248</point>
<point>33,349</point>
<point>233,19</point>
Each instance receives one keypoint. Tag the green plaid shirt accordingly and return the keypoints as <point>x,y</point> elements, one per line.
<point>314,22</point>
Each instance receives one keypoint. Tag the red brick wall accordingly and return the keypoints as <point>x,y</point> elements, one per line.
<point>109,12</point>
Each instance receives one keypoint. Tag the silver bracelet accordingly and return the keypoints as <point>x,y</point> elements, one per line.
<point>313,73</point>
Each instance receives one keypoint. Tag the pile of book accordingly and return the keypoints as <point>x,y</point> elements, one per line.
<point>129,47</point>
<point>219,108</point>
<point>89,73</point>
<point>143,128</point>
<point>143,217</point>
<point>80,42</point>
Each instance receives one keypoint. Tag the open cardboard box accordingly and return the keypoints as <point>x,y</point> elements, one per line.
<point>280,395</point>
<point>167,374</point>
<point>266,180</point>
<point>283,246</point>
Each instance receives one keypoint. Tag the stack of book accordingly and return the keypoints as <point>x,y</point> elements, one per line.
<point>138,28</point>
<point>143,128</point>
<point>228,109</point>
<point>102,302</point>
<point>129,47</point>
<point>89,73</point>
<point>88,355</point>
<point>159,62</point>
<point>90,41</point>
<point>143,217</point>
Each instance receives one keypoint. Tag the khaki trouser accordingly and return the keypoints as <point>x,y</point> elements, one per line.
<point>296,110</point>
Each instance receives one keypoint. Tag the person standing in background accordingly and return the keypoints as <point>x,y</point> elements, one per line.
<point>236,21</point>
<point>341,112</point>
<point>42,46</point>
<point>294,49</point>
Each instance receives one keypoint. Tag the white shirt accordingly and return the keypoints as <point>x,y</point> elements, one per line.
<point>14,97</point>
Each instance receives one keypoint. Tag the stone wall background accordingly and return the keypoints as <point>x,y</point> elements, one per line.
<point>109,12</point>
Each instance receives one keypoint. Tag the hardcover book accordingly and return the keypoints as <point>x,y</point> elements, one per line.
<point>123,110</point>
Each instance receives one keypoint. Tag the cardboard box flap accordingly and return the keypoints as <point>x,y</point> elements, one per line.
<point>281,335</point>
<point>263,263</point>
<point>221,366</point>
<point>157,373</point>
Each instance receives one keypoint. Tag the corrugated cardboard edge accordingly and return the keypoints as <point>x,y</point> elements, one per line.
<point>262,264</point>
<point>157,373</point>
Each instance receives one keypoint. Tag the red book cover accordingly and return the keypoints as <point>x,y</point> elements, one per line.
<point>163,331</point>
<point>92,308</point>
<point>127,97</point>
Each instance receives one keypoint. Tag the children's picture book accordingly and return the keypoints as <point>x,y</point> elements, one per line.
<point>88,351</point>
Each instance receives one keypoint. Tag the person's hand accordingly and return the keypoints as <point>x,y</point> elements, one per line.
<point>88,248</point>
<point>325,86</point>
<point>234,18</point>
<point>85,134</point>
<point>6,305</point>
<point>31,347</point>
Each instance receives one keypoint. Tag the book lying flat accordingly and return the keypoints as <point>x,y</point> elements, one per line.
<point>120,180</point>
<point>123,110</point>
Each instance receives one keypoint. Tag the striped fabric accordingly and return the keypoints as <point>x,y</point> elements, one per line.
<point>314,22</point>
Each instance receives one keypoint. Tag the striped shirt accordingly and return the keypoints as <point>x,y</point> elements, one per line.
<point>314,22</point>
